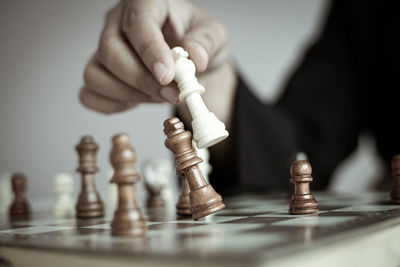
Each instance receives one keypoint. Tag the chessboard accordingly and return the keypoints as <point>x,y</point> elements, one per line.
<point>253,230</point>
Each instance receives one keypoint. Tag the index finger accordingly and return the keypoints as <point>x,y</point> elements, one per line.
<point>142,23</point>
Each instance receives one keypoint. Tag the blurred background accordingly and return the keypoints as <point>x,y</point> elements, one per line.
<point>45,45</point>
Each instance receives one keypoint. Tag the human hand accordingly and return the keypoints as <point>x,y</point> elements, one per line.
<point>134,64</point>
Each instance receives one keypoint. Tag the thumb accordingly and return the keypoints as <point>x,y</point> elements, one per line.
<point>206,41</point>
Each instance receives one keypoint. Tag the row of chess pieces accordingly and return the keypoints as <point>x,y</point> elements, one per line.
<point>158,179</point>
<point>197,199</point>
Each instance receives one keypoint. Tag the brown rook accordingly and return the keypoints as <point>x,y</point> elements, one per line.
<point>302,201</point>
<point>128,218</point>
<point>20,205</point>
<point>89,202</point>
<point>203,198</point>
<point>395,194</point>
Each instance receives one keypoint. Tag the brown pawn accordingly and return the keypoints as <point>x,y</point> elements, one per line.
<point>183,205</point>
<point>128,218</point>
<point>203,198</point>
<point>302,201</point>
<point>89,203</point>
<point>395,194</point>
<point>20,205</point>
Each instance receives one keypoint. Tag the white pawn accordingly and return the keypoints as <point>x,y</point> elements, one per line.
<point>207,129</point>
<point>204,166</point>
<point>159,174</point>
<point>112,195</point>
<point>64,206</point>
<point>6,195</point>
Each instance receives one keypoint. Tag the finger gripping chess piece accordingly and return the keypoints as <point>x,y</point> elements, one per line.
<point>395,194</point>
<point>20,206</point>
<point>128,218</point>
<point>207,129</point>
<point>302,201</point>
<point>89,203</point>
<point>203,198</point>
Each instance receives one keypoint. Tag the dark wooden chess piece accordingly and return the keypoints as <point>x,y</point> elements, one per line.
<point>183,205</point>
<point>302,201</point>
<point>89,203</point>
<point>128,218</point>
<point>20,205</point>
<point>203,198</point>
<point>395,194</point>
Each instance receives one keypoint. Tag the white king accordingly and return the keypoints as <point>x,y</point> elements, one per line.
<point>207,129</point>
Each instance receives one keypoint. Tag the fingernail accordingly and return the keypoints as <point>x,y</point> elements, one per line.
<point>202,53</point>
<point>170,94</point>
<point>159,70</point>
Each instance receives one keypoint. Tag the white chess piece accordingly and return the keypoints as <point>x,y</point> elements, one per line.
<point>112,195</point>
<point>64,186</point>
<point>207,129</point>
<point>6,195</point>
<point>204,166</point>
<point>159,173</point>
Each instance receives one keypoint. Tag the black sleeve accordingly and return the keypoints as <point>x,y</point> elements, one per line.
<point>318,114</point>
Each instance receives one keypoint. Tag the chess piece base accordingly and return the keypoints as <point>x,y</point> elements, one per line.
<point>89,205</point>
<point>302,211</point>
<point>128,223</point>
<point>155,202</point>
<point>205,201</point>
<point>208,130</point>
<point>395,200</point>
<point>19,208</point>
<point>395,194</point>
<point>303,204</point>
<point>183,205</point>
<point>64,214</point>
<point>92,210</point>
<point>395,197</point>
<point>64,211</point>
